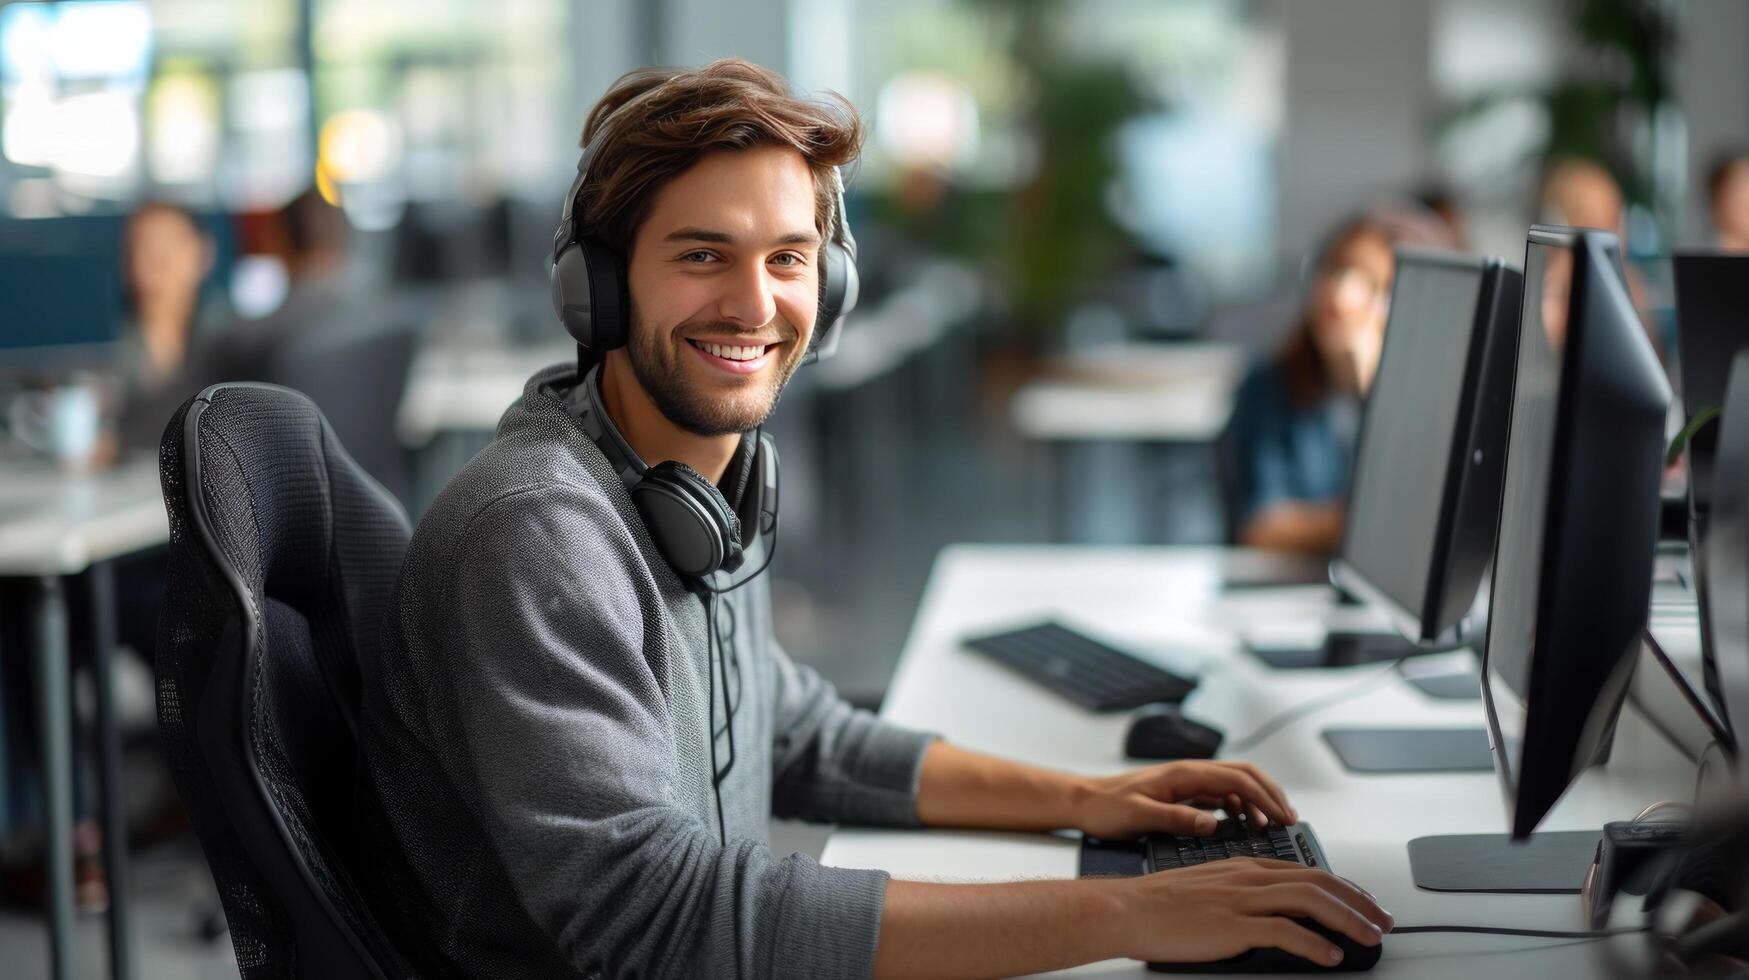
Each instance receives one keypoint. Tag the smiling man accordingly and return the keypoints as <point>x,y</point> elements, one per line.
<point>576,734</point>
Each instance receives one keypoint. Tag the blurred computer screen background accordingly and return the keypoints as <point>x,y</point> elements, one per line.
<point>1042,181</point>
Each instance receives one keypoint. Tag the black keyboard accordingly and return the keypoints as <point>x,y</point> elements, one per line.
<point>1087,672</point>
<point>1235,838</point>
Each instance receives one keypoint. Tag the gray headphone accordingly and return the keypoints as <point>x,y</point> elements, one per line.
<point>587,278</point>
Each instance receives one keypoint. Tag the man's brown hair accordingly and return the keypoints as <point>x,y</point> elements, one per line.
<point>728,104</point>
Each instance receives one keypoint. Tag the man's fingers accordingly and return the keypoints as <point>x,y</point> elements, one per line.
<point>1348,893</point>
<point>1174,818</point>
<point>1234,780</point>
<point>1306,900</point>
<point>1273,787</point>
<point>1291,937</point>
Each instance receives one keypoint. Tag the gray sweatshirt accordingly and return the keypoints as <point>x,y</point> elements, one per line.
<point>536,773</point>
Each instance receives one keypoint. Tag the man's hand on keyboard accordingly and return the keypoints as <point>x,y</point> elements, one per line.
<point>1213,911</point>
<point>1162,799</point>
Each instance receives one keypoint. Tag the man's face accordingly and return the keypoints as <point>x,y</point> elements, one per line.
<point>724,285</point>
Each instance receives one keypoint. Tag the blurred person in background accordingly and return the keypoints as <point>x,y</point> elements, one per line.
<point>1442,202</point>
<point>1728,195</point>
<point>1296,417</point>
<point>1581,193</point>
<point>166,258</point>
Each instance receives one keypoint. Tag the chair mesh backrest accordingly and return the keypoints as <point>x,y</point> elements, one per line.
<point>282,556</point>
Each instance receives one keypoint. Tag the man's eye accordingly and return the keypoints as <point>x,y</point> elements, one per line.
<point>698,258</point>
<point>787,258</point>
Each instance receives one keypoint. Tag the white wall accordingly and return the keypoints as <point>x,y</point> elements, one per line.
<point>697,31</point>
<point>1358,109</point>
<point>1712,83</point>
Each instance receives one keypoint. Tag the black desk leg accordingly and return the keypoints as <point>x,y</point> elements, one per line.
<point>115,836</point>
<point>55,712</point>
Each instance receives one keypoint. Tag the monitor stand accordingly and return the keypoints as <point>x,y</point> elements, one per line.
<point>1341,648</point>
<point>1376,751</point>
<point>1462,685</point>
<point>1549,863</point>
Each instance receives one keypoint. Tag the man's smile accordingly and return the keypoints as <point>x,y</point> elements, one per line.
<point>733,358</point>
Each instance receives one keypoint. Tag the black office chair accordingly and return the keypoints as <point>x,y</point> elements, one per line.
<point>282,556</point>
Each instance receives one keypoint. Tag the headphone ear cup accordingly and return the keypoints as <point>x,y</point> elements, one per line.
<point>587,285</point>
<point>693,526</point>
<point>838,295</point>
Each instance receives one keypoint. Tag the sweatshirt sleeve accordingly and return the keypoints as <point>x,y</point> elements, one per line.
<point>836,763</point>
<point>563,752</point>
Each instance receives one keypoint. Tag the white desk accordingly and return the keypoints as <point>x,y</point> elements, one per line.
<point>465,386</point>
<point>54,527</point>
<point>1165,603</point>
<point>1152,393</point>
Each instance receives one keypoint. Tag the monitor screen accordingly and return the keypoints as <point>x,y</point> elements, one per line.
<point>1578,520</point>
<point>1712,323</point>
<point>1403,467</point>
<point>58,300</point>
<point>1725,557</point>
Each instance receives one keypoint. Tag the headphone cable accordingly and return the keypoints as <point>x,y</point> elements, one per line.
<point>710,606</point>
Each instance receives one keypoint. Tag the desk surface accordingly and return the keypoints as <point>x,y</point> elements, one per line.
<point>56,523</point>
<point>1167,604</point>
<point>1174,393</point>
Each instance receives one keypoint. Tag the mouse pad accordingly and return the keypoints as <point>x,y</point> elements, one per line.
<point>1548,863</point>
<point>1400,750</point>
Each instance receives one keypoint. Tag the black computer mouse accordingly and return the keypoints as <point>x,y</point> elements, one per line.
<point>1160,731</point>
<point>1355,958</point>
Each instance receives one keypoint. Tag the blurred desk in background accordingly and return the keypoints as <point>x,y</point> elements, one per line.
<point>1130,430</point>
<point>457,389</point>
<point>60,531</point>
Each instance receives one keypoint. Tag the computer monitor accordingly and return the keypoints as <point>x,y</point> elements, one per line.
<point>1425,495</point>
<point>1578,520</point>
<point>1725,557</point>
<point>1712,324</point>
<point>62,310</point>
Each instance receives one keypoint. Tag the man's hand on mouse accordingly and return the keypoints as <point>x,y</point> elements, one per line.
<point>1221,909</point>
<point>1165,798</point>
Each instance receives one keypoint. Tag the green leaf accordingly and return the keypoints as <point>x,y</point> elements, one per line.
<point>1699,422</point>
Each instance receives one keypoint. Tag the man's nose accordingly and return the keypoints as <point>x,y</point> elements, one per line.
<point>747,297</point>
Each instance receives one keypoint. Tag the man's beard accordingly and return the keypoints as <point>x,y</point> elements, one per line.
<point>658,368</point>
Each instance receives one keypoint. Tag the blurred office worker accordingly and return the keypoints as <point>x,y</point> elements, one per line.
<point>166,258</point>
<point>581,724</point>
<point>1728,195</point>
<point>1296,417</point>
<point>1582,193</point>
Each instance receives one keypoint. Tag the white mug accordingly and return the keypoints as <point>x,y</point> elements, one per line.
<point>64,422</point>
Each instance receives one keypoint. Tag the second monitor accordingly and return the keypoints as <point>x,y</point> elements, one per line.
<point>1425,494</point>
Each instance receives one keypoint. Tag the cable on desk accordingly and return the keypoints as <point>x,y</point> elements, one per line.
<point>1311,706</point>
<point>1532,933</point>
